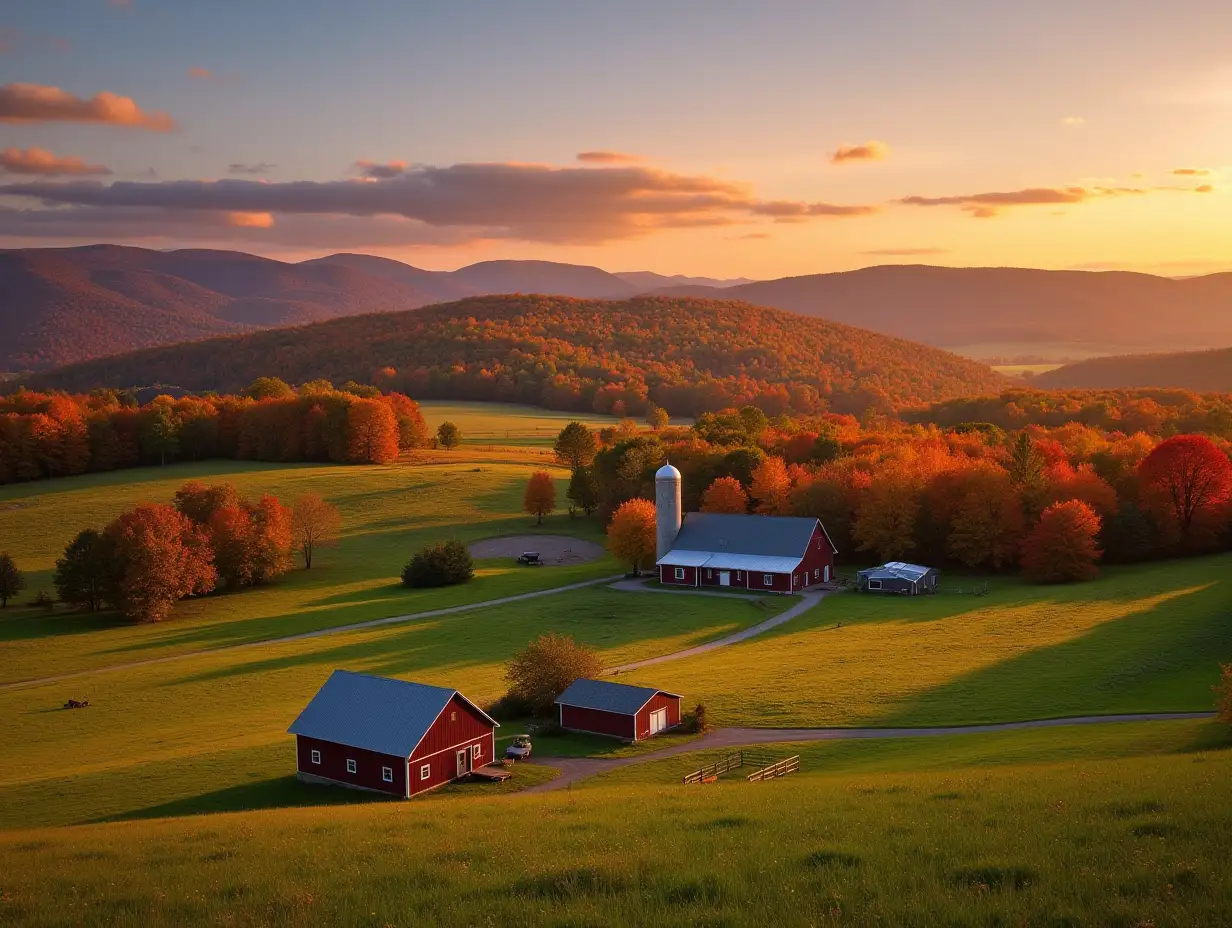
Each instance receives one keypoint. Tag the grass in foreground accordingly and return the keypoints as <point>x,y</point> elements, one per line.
<point>1114,842</point>
<point>208,731</point>
<point>1140,639</point>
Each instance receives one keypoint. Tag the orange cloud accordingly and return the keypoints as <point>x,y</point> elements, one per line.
<point>377,170</point>
<point>607,157</point>
<point>1193,172</point>
<point>987,205</point>
<point>1073,121</point>
<point>34,103</point>
<point>202,73</point>
<point>250,220</point>
<point>40,161</point>
<point>870,151</point>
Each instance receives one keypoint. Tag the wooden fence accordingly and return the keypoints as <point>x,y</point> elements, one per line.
<point>768,767</point>
<point>777,769</point>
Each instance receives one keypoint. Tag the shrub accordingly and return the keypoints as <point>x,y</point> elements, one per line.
<point>443,564</point>
<point>543,669</point>
<point>447,435</point>
<point>43,600</point>
<point>694,723</point>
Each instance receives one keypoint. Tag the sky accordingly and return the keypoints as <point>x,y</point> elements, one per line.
<point>727,139</point>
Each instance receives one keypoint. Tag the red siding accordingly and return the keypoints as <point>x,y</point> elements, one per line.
<point>818,557</point>
<point>668,575</point>
<point>658,701</point>
<point>458,727</point>
<point>598,721</point>
<point>368,765</point>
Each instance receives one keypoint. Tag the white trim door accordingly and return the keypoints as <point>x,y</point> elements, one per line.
<point>724,578</point>
<point>825,574</point>
<point>658,721</point>
<point>464,762</point>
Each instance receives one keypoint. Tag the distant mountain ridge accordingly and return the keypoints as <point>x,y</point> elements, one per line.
<point>1199,371</point>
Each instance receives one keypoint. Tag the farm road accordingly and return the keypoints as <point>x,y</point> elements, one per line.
<point>573,769</point>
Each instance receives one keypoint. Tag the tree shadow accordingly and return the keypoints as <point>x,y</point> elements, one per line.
<point>278,793</point>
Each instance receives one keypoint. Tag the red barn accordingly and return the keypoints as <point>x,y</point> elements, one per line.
<point>390,736</point>
<point>777,554</point>
<point>618,710</point>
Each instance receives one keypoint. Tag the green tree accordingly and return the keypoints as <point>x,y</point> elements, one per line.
<point>1027,462</point>
<point>576,446</point>
<point>269,388</point>
<point>443,564</point>
<point>754,420</point>
<point>583,490</point>
<point>657,417</point>
<point>160,436</point>
<point>448,436</point>
<point>82,572</point>
<point>12,581</point>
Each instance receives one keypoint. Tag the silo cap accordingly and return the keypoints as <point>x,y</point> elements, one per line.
<point>667,472</point>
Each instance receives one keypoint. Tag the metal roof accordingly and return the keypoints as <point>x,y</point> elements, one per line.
<point>685,558</point>
<point>375,713</point>
<point>609,697</point>
<point>899,570</point>
<point>766,536</point>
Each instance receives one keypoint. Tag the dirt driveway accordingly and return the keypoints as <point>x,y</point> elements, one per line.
<point>554,550</point>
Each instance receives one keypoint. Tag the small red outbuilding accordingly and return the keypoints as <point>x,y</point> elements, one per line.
<point>390,736</point>
<point>618,710</point>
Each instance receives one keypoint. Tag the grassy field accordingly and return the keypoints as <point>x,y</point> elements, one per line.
<point>505,423</point>
<point>1141,638</point>
<point>1132,842</point>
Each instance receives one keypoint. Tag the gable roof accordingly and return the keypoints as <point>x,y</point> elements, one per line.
<point>762,536</point>
<point>899,570</point>
<point>610,697</point>
<point>375,713</point>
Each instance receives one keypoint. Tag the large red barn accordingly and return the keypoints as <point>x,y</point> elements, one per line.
<point>617,709</point>
<point>390,736</point>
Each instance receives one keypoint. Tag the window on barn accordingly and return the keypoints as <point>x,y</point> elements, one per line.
<point>709,574</point>
<point>387,774</point>
<point>874,584</point>
<point>816,573</point>
<point>425,771</point>
<point>316,757</point>
<point>476,751</point>
<point>350,765</point>
<point>679,573</point>
<point>453,716</point>
<point>768,579</point>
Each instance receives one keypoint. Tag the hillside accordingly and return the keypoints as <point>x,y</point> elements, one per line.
<point>561,353</point>
<point>1201,371</point>
<point>956,307</point>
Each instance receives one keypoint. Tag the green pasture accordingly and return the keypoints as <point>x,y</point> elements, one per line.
<point>1126,842</point>
<point>1139,639</point>
<point>506,423</point>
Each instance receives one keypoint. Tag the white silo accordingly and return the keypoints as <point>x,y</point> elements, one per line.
<point>667,509</point>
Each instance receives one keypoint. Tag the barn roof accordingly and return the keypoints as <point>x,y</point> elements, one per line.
<point>375,713</point>
<point>764,536</point>
<point>898,570</point>
<point>610,697</point>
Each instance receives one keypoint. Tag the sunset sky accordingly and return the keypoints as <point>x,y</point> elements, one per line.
<point>726,139</point>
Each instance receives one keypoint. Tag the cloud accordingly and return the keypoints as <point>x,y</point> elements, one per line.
<point>1073,121</point>
<point>481,201</point>
<point>751,236</point>
<point>40,161</point>
<point>1204,188</point>
<point>250,220</point>
<point>376,170</point>
<point>987,205</point>
<point>201,73</point>
<point>34,103</point>
<point>608,157</point>
<point>905,252</point>
<point>261,167</point>
<point>1193,172</point>
<point>871,150</point>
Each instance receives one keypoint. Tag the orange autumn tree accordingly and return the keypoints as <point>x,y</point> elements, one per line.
<point>314,524</point>
<point>540,497</point>
<point>986,525</point>
<point>372,432</point>
<point>1062,547</point>
<point>631,535</point>
<point>159,557</point>
<point>725,495</point>
<point>771,486</point>
<point>251,542</point>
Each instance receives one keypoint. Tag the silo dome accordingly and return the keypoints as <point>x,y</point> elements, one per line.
<point>667,472</point>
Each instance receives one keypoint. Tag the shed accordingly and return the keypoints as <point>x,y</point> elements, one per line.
<point>898,577</point>
<point>617,710</point>
<point>390,736</point>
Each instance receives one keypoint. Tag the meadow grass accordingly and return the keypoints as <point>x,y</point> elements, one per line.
<point>506,423</point>
<point>1139,639</point>
<point>210,728</point>
<point>1128,842</point>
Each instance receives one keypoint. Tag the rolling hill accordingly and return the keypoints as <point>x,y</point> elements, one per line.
<point>1200,371</point>
<point>562,353</point>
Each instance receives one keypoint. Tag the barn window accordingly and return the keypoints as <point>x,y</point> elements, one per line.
<point>425,771</point>
<point>768,579</point>
<point>476,751</point>
<point>316,757</point>
<point>816,573</point>
<point>874,584</point>
<point>350,765</point>
<point>679,573</point>
<point>709,574</point>
<point>453,716</point>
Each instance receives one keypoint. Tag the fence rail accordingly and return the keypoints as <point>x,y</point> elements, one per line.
<point>777,769</point>
<point>768,767</point>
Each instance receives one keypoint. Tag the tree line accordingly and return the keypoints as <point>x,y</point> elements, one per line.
<point>53,434</point>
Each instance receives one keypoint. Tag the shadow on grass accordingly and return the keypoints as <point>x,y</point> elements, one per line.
<point>278,793</point>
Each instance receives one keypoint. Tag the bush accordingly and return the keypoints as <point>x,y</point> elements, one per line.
<point>509,707</point>
<point>544,669</point>
<point>43,600</point>
<point>694,723</point>
<point>443,564</point>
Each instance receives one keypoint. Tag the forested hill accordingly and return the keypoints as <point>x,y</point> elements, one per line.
<point>1202,371</point>
<point>611,356</point>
